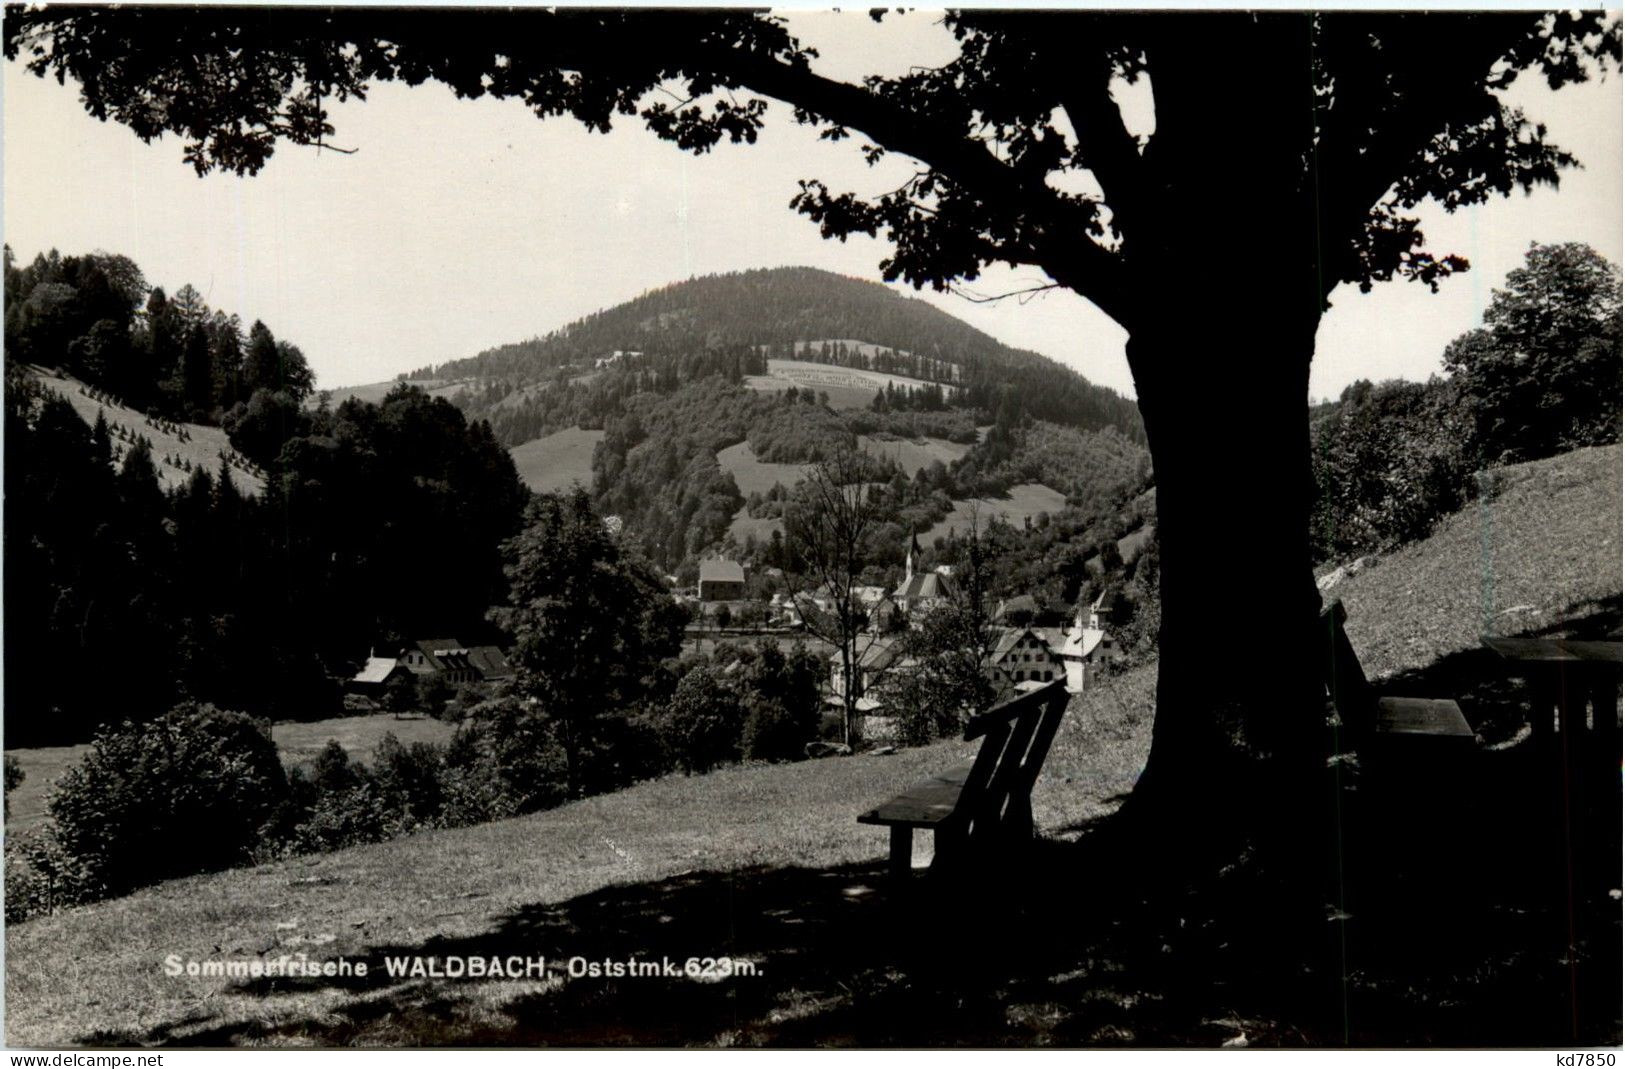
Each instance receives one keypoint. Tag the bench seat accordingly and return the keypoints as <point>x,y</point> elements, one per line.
<point>987,803</point>
<point>924,805</point>
<point>1430,717</point>
<point>1380,718</point>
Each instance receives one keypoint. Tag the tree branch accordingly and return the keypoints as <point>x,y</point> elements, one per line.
<point>1062,245</point>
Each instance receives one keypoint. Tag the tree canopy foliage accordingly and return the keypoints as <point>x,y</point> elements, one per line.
<point>96,318</point>
<point>1543,373</point>
<point>1403,108</point>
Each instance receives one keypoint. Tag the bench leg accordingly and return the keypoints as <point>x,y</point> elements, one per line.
<point>948,848</point>
<point>902,851</point>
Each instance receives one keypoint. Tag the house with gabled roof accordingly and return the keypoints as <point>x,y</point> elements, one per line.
<point>376,675</point>
<point>1087,648</point>
<point>1023,659</point>
<point>443,658</point>
<point>721,580</point>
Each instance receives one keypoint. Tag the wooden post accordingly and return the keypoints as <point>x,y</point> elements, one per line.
<point>902,851</point>
<point>1545,692</point>
<point>1605,714</point>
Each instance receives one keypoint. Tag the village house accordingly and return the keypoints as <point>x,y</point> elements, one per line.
<point>1100,611</point>
<point>1017,611</point>
<point>868,600</point>
<point>1087,647</point>
<point>874,658</point>
<point>1022,658</point>
<point>441,658</point>
<point>376,675</point>
<point>721,580</point>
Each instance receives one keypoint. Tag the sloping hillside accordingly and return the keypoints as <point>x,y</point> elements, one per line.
<point>846,387</point>
<point>374,392</point>
<point>557,461</point>
<point>763,863</point>
<point>1543,546</point>
<point>1025,502</point>
<point>787,314</point>
<point>172,451</point>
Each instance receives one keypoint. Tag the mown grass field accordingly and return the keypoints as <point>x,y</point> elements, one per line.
<point>1542,547</point>
<point>557,461</point>
<point>375,392</point>
<point>913,454</point>
<point>299,743</point>
<point>1024,501</point>
<point>765,864</point>
<point>846,387</point>
<point>106,982</point>
<point>757,476</point>
<point>745,526</point>
<point>753,476</point>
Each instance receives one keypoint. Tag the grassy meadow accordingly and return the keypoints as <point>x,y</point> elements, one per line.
<point>1024,502</point>
<point>913,454</point>
<point>557,461</point>
<point>374,392</point>
<point>446,886</point>
<point>757,476</point>
<point>846,387</point>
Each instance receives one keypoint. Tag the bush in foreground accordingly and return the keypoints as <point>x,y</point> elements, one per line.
<point>191,791</point>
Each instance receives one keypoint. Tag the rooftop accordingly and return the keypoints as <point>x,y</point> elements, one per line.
<point>721,571</point>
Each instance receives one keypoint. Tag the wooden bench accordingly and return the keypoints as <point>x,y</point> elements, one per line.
<point>986,804</point>
<point>1379,718</point>
<point>1565,675</point>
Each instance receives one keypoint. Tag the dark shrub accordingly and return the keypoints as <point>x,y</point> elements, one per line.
<point>14,779</point>
<point>346,818</point>
<point>333,773</point>
<point>190,791</point>
<point>775,733</point>
<point>343,805</point>
<point>627,750</point>
<point>783,692</point>
<point>473,789</point>
<point>701,725</point>
<point>409,780</point>
<point>42,878</point>
<point>402,694</point>
<point>506,760</point>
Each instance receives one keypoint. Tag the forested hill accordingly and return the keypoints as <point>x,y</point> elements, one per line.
<point>746,317</point>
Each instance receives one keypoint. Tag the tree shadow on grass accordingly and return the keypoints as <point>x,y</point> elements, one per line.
<point>1075,946</point>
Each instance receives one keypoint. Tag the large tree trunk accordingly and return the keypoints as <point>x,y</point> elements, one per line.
<point>1224,258</point>
<point>1222,380</point>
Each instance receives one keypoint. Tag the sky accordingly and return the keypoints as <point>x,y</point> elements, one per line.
<point>460,225</point>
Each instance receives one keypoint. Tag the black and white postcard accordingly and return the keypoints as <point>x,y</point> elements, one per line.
<point>676,527</point>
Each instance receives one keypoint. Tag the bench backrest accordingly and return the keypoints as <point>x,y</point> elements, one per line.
<point>1351,694</point>
<point>1016,735</point>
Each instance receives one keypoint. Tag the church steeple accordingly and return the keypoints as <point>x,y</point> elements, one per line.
<point>913,551</point>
